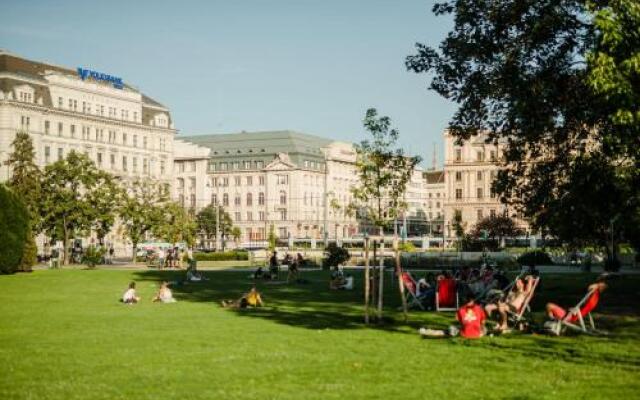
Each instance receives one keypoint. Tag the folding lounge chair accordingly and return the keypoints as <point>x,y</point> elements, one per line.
<point>411,293</point>
<point>447,295</point>
<point>575,318</point>
<point>516,317</point>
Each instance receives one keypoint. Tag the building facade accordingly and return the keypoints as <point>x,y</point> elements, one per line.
<point>469,170</point>
<point>122,130</point>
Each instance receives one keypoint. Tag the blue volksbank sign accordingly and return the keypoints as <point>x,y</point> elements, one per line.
<point>99,76</point>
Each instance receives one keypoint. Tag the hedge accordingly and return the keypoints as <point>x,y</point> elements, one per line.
<point>14,229</point>
<point>225,256</point>
<point>536,257</point>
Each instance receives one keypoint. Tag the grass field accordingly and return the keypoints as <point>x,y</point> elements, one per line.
<point>64,335</point>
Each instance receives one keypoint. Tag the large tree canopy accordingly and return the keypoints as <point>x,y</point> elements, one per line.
<point>543,77</point>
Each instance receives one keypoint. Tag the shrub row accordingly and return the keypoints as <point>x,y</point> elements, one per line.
<point>14,231</point>
<point>223,256</point>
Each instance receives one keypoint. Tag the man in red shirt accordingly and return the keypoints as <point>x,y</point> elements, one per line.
<point>471,317</point>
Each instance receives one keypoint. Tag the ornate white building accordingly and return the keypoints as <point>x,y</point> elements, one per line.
<point>121,129</point>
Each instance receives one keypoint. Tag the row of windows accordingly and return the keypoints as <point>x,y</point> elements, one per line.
<point>237,180</point>
<point>479,194</point>
<point>235,165</point>
<point>480,155</point>
<point>479,175</point>
<point>237,201</point>
<point>114,163</point>
<point>87,108</point>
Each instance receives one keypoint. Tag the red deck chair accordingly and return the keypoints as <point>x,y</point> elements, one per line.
<point>576,315</point>
<point>517,316</point>
<point>411,293</point>
<point>447,295</point>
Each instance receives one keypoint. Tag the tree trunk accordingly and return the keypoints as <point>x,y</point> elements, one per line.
<point>134,252</point>
<point>401,284</point>
<point>367,281</point>
<point>381,276</point>
<point>65,244</point>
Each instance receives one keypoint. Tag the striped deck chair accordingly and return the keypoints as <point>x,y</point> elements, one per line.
<point>575,317</point>
<point>447,295</point>
<point>411,292</point>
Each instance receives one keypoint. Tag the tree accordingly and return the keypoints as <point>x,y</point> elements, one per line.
<point>554,86</point>
<point>107,198</point>
<point>383,173</point>
<point>68,198</point>
<point>272,238</point>
<point>496,227</point>
<point>14,230</point>
<point>24,182</point>
<point>458,227</point>
<point>236,233</point>
<point>140,211</point>
<point>206,221</point>
<point>175,225</point>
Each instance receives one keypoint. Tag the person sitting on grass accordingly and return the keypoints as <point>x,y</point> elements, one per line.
<point>471,318</point>
<point>558,313</point>
<point>164,294</point>
<point>193,275</point>
<point>130,296</point>
<point>249,299</point>
<point>512,302</point>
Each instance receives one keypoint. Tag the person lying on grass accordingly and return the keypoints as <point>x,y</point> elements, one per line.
<point>512,302</point>
<point>164,294</point>
<point>471,318</point>
<point>130,296</point>
<point>249,299</point>
<point>555,312</point>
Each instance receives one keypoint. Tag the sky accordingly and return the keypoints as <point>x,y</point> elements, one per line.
<point>228,66</point>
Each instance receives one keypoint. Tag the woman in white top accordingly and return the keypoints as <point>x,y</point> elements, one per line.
<point>130,297</point>
<point>164,294</point>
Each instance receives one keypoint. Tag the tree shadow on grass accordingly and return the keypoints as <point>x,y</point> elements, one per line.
<point>310,305</point>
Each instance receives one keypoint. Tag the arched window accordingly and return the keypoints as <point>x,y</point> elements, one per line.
<point>249,199</point>
<point>261,198</point>
<point>283,197</point>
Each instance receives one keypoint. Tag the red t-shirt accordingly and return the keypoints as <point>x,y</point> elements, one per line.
<point>471,319</point>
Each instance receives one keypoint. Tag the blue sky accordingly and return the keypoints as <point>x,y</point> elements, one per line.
<point>226,66</point>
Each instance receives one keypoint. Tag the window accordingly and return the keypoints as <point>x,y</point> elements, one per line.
<point>249,180</point>
<point>458,156</point>
<point>306,163</point>
<point>124,163</point>
<point>458,194</point>
<point>101,111</point>
<point>99,159</point>
<point>492,155</point>
<point>283,179</point>
<point>492,213</point>
<point>237,180</point>
<point>60,153</point>
<point>249,199</point>
<point>259,164</point>
<point>135,116</point>
<point>492,193</point>
<point>47,154</point>
<point>236,200</point>
<point>283,231</point>
<point>261,198</point>
<point>237,216</point>
<point>181,167</point>
<point>479,175</point>
<point>214,182</point>
<point>162,167</point>
<point>458,176</point>
<point>113,161</point>
<point>283,197</point>
<point>47,127</point>
<point>84,107</point>
<point>135,140</point>
<point>236,165</point>
<point>479,155</point>
<point>247,165</point>
<point>225,199</point>
<point>72,130</point>
<point>212,165</point>
<point>479,192</point>
<point>145,166</point>
<point>214,199</point>
<point>135,164</point>
<point>192,200</point>
<point>223,166</point>
<point>59,102</point>
<point>24,122</point>
<point>88,108</point>
<point>261,216</point>
<point>144,142</point>
<point>59,128</point>
<point>225,181</point>
<point>283,215</point>
<point>249,216</point>
<point>261,181</point>
<point>124,138</point>
<point>437,204</point>
<point>479,213</point>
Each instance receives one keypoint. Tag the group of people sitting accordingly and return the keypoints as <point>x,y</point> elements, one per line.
<point>163,294</point>
<point>293,264</point>
<point>472,315</point>
<point>339,280</point>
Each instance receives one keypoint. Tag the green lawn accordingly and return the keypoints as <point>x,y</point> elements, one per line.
<point>64,335</point>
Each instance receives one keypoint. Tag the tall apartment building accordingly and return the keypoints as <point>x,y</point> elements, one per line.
<point>121,129</point>
<point>469,171</point>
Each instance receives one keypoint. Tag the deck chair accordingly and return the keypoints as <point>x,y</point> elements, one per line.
<point>411,292</point>
<point>518,316</point>
<point>575,318</point>
<point>447,295</point>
